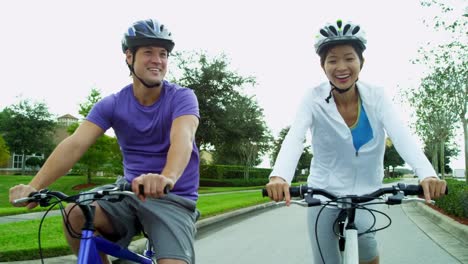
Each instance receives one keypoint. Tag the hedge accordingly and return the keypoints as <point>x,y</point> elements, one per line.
<point>456,201</point>
<point>232,182</point>
<point>232,175</point>
<point>222,172</point>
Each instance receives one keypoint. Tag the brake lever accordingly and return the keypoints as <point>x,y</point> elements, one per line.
<point>311,201</point>
<point>395,199</point>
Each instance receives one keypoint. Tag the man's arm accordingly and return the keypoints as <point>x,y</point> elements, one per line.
<point>66,154</point>
<point>182,136</point>
<point>181,144</point>
<point>62,159</point>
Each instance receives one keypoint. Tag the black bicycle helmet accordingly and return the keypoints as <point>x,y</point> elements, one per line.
<point>340,33</point>
<point>147,32</point>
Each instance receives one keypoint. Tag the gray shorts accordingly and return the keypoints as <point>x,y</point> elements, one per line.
<point>169,223</point>
<point>367,244</point>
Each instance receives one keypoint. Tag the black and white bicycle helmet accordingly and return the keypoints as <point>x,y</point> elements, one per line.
<point>147,32</point>
<point>332,34</point>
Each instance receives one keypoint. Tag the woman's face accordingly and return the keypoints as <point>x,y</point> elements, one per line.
<point>342,66</point>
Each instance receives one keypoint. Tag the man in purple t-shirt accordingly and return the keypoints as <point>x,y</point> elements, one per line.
<point>155,123</point>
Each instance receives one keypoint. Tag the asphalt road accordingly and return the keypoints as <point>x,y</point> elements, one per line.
<point>279,236</point>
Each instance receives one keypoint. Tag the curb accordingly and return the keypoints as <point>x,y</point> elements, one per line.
<point>230,215</point>
<point>453,227</point>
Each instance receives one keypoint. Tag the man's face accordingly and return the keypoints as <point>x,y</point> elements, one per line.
<point>150,63</point>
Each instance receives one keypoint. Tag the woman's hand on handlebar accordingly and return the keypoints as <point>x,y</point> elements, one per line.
<point>21,191</point>
<point>153,185</point>
<point>433,187</point>
<point>278,190</point>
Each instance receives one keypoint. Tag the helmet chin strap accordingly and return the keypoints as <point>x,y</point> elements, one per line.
<point>341,91</point>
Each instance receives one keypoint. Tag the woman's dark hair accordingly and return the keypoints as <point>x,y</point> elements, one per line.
<point>359,50</point>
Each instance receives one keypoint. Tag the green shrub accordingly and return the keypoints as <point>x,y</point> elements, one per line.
<point>232,172</point>
<point>456,201</point>
<point>232,182</point>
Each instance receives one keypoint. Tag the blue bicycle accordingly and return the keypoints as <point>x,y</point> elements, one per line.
<point>90,244</point>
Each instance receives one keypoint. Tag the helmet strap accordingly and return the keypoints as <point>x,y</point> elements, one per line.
<point>341,91</point>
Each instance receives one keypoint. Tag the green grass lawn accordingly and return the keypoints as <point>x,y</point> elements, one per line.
<point>20,240</point>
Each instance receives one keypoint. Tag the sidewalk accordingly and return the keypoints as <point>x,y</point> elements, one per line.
<point>446,232</point>
<point>443,230</point>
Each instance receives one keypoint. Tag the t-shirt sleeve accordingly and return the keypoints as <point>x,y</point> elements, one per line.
<point>101,113</point>
<point>185,103</point>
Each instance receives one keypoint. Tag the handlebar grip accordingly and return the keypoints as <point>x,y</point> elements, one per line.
<point>413,190</point>
<point>25,199</point>
<point>293,191</point>
<point>141,188</point>
<point>417,190</point>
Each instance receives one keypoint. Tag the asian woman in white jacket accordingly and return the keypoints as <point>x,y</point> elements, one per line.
<point>349,121</point>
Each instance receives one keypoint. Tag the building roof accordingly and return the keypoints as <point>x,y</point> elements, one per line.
<point>67,116</point>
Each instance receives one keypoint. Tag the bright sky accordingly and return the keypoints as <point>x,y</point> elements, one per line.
<point>56,51</point>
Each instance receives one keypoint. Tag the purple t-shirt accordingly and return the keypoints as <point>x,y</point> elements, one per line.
<point>143,132</point>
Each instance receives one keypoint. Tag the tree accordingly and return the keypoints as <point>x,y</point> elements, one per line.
<point>231,122</point>
<point>246,136</point>
<point>215,86</point>
<point>450,150</point>
<point>304,160</point>
<point>450,61</point>
<point>4,153</point>
<point>105,152</point>
<point>435,112</point>
<point>391,158</point>
<point>28,128</point>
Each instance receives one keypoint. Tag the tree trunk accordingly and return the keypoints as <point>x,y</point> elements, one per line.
<point>435,163</point>
<point>89,176</point>
<point>442,157</point>
<point>465,133</point>
<point>23,165</point>
<point>246,172</point>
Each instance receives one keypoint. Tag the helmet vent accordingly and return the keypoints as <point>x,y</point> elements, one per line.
<point>324,33</point>
<point>346,28</point>
<point>356,30</point>
<point>339,23</point>
<point>333,29</point>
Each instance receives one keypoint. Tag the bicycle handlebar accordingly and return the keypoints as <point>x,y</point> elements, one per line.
<point>399,191</point>
<point>43,196</point>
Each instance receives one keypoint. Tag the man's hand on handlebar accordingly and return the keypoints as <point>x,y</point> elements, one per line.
<point>278,190</point>
<point>433,188</point>
<point>154,185</point>
<point>20,191</point>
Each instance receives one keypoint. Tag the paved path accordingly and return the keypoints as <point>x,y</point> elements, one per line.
<point>280,236</point>
<point>450,237</point>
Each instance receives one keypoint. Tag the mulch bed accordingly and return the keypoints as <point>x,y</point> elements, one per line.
<point>83,186</point>
<point>461,220</point>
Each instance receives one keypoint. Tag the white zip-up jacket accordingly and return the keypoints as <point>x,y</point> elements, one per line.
<point>336,166</point>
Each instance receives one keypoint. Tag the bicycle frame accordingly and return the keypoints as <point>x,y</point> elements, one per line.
<point>350,254</point>
<point>91,245</point>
